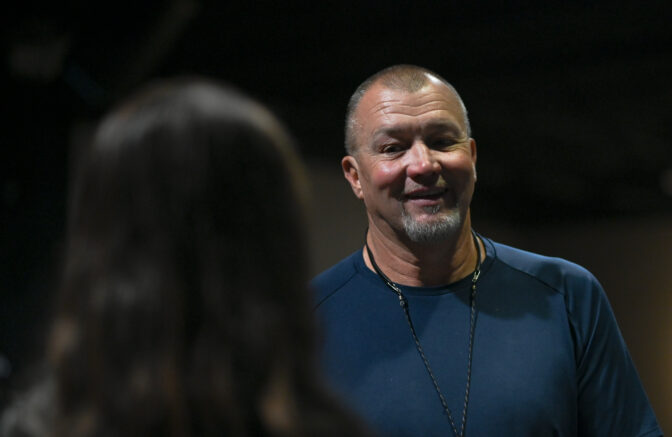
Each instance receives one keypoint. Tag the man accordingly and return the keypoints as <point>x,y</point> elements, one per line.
<point>434,330</point>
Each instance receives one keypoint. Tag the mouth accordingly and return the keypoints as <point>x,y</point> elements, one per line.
<point>428,194</point>
<point>425,196</point>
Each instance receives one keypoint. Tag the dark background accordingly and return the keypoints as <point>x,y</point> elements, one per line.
<point>569,102</point>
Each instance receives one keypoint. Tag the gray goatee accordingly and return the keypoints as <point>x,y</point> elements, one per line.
<point>439,229</point>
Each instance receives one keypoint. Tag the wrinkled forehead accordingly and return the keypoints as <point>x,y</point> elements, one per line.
<point>434,103</point>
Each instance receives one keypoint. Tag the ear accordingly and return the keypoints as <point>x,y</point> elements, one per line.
<point>351,173</point>
<point>472,147</point>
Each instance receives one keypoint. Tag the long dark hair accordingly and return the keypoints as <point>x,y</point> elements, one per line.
<point>184,308</point>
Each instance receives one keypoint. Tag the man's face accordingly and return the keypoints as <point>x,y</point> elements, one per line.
<point>414,167</point>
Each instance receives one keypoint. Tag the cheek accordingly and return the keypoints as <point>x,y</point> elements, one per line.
<point>387,175</point>
<point>461,174</point>
<point>461,166</point>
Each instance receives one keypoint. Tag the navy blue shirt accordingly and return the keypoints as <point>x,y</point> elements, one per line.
<point>548,357</point>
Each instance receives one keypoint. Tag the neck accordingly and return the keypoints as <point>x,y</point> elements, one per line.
<point>423,264</point>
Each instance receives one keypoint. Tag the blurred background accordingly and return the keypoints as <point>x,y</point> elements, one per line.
<point>569,104</point>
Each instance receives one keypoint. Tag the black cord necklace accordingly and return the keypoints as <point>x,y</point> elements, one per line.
<point>403,302</point>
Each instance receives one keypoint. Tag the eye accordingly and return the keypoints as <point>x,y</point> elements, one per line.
<point>443,143</point>
<point>390,149</point>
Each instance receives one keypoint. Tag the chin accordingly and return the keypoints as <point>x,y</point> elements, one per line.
<point>431,229</point>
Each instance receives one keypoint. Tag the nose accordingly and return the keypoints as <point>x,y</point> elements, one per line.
<point>422,162</point>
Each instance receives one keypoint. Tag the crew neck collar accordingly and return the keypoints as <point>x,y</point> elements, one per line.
<point>435,290</point>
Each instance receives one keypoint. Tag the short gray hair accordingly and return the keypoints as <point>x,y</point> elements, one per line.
<point>409,78</point>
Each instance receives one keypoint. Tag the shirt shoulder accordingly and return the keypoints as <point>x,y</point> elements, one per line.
<point>330,281</point>
<point>584,298</point>
<point>606,378</point>
<point>559,274</point>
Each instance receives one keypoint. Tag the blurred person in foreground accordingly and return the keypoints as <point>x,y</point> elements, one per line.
<point>184,308</point>
<point>432,329</point>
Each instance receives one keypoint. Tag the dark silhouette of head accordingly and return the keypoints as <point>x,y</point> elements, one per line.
<point>184,308</point>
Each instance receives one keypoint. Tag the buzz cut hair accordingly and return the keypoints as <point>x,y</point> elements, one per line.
<point>404,77</point>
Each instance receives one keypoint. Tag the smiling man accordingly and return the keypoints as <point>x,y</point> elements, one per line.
<point>434,330</point>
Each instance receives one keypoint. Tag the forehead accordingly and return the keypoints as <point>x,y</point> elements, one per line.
<point>385,109</point>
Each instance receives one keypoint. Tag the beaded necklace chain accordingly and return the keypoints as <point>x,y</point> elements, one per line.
<point>403,302</point>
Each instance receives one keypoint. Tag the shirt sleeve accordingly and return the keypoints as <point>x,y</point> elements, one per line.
<point>611,398</point>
